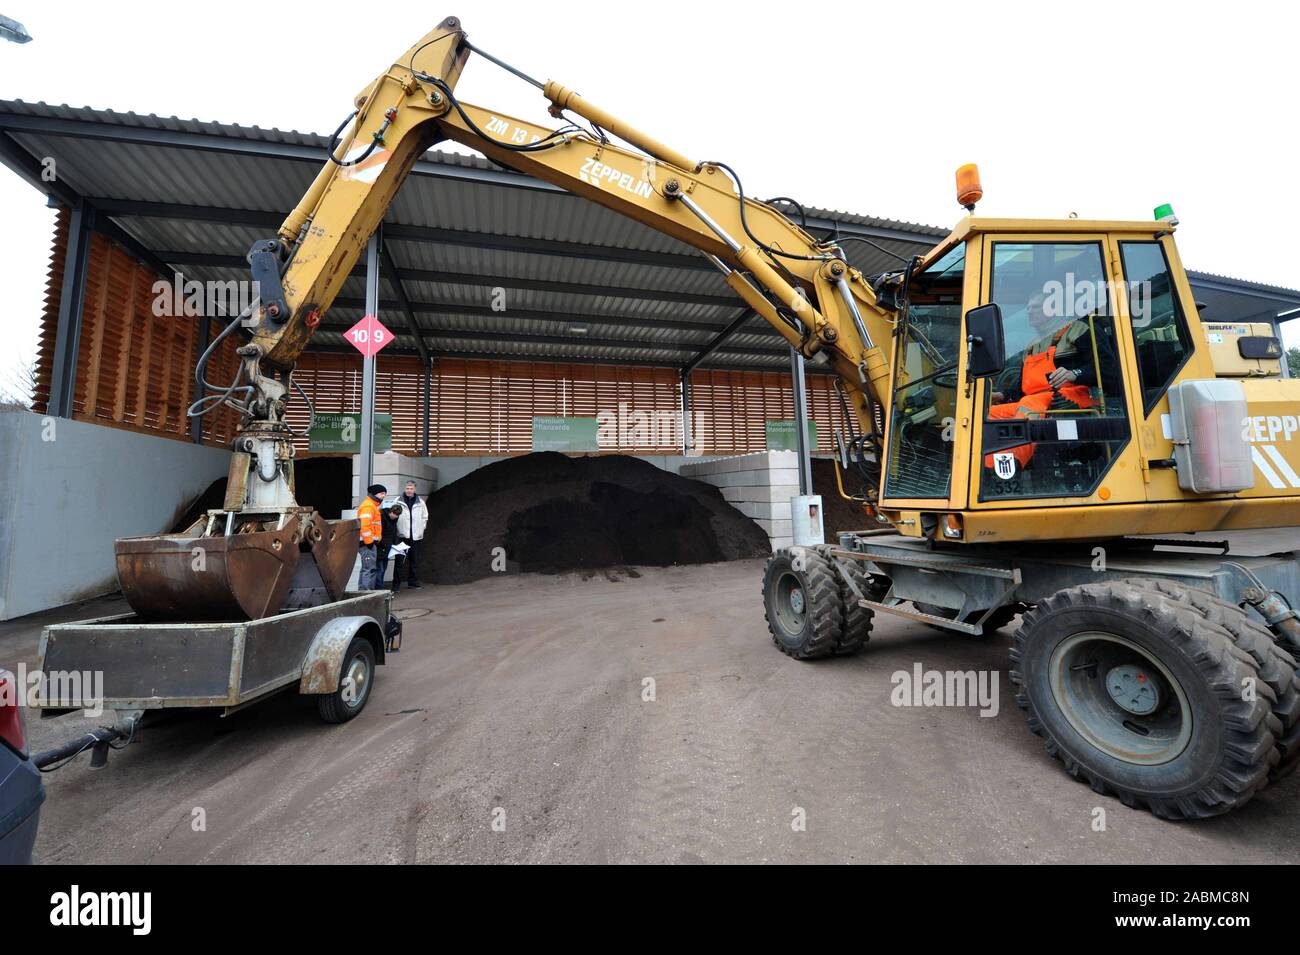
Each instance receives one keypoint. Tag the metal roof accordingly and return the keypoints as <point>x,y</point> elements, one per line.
<point>582,282</point>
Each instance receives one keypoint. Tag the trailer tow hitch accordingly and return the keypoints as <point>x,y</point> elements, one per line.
<point>99,741</point>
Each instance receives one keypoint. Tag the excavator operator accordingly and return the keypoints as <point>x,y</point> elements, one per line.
<point>1057,371</point>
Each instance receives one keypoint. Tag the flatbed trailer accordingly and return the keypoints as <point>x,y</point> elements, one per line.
<point>329,651</point>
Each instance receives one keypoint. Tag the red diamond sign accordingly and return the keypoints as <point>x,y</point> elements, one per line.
<point>369,336</point>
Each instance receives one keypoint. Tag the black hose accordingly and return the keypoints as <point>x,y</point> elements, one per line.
<point>549,141</point>
<point>67,752</point>
<point>744,223</point>
<point>334,143</point>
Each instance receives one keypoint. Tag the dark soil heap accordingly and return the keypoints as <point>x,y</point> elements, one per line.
<point>553,513</point>
<point>837,513</point>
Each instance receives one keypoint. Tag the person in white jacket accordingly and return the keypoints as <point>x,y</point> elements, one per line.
<point>412,521</point>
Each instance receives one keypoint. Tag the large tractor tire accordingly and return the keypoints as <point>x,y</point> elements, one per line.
<point>856,629</point>
<point>1140,688</point>
<point>1277,667</point>
<point>801,596</point>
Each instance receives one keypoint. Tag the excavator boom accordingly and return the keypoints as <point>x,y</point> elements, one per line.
<point>801,285</point>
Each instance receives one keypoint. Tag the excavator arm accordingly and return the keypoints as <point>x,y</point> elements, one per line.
<point>800,284</point>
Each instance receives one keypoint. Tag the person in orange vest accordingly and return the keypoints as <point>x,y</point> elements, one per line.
<point>372,531</point>
<point>1057,373</point>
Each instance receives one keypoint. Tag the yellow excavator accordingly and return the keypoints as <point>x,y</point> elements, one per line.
<point>1025,400</point>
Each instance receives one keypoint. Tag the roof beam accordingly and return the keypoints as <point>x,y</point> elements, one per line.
<point>547,315</point>
<point>716,342</point>
<point>452,334</point>
<point>225,261</point>
<point>571,288</point>
<point>391,274</point>
<point>461,237</point>
<point>27,167</point>
<point>396,350</point>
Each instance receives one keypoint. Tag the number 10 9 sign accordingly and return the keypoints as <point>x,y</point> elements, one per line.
<point>369,336</point>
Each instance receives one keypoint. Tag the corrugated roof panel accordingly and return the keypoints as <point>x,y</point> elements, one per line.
<point>459,193</point>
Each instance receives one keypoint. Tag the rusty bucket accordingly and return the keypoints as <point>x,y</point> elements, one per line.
<point>244,576</point>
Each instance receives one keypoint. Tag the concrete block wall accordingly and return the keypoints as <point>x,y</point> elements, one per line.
<point>393,470</point>
<point>68,489</point>
<point>759,485</point>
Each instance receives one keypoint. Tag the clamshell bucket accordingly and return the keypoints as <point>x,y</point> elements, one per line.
<point>241,576</point>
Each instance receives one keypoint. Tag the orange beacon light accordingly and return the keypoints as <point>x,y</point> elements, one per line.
<point>969,190</point>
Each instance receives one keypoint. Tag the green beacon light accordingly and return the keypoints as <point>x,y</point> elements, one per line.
<point>1165,213</point>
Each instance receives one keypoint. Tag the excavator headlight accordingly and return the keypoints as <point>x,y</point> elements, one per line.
<point>969,190</point>
<point>952,526</point>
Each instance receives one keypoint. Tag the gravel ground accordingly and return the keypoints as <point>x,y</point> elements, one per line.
<point>519,699</point>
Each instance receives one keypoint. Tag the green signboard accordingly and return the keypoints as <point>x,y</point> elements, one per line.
<point>342,433</point>
<point>564,434</point>
<point>781,436</point>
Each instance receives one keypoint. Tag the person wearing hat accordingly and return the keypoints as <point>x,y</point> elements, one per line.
<point>388,538</point>
<point>372,531</point>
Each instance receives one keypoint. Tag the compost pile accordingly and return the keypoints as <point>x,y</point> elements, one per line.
<point>553,513</point>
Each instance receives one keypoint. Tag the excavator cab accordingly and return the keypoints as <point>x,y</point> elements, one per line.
<point>1100,335</point>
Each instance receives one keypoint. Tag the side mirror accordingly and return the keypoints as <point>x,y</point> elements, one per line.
<point>985,352</point>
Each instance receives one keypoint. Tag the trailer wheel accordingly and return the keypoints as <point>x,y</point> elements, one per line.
<point>1138,690</point>
<point>355,679</point>
<point>801,597</point>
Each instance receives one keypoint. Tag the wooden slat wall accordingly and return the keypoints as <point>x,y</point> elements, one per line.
<point>135,370</point>
<point>486,407</point>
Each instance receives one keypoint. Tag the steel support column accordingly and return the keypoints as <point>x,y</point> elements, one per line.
<point>205,339</point>
<point>72,298</point>
<point>686,412</point>
<point>801,421</point>
<point>428,405</point>
<point>367,469</point>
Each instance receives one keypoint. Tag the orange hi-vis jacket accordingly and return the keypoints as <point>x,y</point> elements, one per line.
<point>1037,395</point>
<point>372,525</point>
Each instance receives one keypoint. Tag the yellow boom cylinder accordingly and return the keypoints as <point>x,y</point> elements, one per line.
<point>565,98</point>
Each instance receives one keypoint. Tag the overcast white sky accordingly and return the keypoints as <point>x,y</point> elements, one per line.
<point>1103,109</point>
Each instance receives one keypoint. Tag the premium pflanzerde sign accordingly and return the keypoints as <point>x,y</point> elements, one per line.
<point>342,432</point>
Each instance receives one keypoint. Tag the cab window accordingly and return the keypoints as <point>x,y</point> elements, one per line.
<point>1159,330</point>
<point>919,461</point>
<point>1055,418</point>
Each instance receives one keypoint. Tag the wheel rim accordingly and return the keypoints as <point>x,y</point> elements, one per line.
<point>359,674</point>
<point>791,603</point>
<point>1120,698</point>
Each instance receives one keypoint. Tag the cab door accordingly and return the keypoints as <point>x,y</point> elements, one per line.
<point>924,435</point>
<point>1055,427</point>
<point>1157,310</point>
